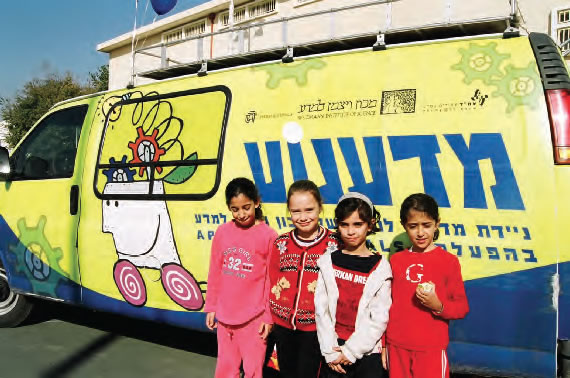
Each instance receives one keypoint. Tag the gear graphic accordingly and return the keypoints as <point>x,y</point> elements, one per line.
<point>519,86</point>
<point>299,72</point>
<point>146,149</point>
<point>36,258</point>
<point>480,62</point>
<point>122,174</point>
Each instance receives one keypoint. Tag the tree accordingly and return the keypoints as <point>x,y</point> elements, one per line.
<point>39,95</point>
<point>99,80</point>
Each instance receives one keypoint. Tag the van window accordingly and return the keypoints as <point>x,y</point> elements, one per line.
<point>48,152</point>
<point>158,147</point>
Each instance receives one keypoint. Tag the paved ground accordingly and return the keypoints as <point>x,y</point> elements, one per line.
<point>61,341</point>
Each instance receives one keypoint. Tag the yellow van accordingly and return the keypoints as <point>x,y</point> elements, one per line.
<point>111,201</point>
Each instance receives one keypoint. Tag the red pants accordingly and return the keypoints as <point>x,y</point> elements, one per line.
<point>404,363</point>
<point>240,343</point>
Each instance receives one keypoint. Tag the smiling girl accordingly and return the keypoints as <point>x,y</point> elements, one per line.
<point>353,295</point>
<point>238,283</point>
<point>427,292</point>
<point>293,274</point>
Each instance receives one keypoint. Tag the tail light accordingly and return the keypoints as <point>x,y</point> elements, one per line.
<point>558,101</point>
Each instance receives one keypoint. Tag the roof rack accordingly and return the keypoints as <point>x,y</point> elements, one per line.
<point>289,45</point>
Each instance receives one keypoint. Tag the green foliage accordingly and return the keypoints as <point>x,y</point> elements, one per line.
<point>39,95</point>
<point>99,80</point>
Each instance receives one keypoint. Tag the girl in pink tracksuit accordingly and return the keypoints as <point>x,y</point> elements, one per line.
<point>238,284</point>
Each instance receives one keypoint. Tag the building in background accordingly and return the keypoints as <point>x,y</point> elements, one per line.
<point>3,134</point>
<point>201,38</point>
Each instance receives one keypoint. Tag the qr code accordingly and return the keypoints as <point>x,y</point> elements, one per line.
<point>400,101</point>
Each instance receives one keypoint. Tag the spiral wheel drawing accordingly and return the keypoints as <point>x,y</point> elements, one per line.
<point>181,287</point>
<point>130,283</point>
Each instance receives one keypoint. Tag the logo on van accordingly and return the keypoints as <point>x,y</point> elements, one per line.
<point>400,101</point>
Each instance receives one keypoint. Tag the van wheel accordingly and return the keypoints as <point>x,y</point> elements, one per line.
<point>564,358</point>
<point>14,308</point>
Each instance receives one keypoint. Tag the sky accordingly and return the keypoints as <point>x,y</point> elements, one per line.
<point>39,37</point>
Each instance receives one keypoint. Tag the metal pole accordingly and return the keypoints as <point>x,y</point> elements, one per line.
<point>132,83</point>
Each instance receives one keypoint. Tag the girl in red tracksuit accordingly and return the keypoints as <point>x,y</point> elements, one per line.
<point>427,292</point>
<point>293,274</point>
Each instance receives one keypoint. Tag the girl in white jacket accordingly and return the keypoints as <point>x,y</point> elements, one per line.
<point>353,295</point>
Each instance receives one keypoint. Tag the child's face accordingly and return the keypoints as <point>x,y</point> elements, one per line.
<point>353,231</point>
<point>420,227</point>
<point>243,210</point>
<point>304,210</point>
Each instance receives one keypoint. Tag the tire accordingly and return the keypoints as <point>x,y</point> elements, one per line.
<point>14,308</point>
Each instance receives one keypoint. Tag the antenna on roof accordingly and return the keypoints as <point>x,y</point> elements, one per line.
<point>132,81</point>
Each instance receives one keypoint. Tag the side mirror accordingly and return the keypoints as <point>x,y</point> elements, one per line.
<point>4,164</point>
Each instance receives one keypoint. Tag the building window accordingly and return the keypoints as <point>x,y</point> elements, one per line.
<point>560,27</point>
<point>250,11</point>
<point>187,31</point>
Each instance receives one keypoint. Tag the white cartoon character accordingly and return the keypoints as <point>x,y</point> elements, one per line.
<point>142,232</point>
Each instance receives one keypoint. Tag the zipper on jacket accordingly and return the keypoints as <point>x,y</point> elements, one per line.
<point>298,290</point>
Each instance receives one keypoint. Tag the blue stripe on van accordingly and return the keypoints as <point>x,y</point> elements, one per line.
<point>187,319</point>
<point>511,325</point>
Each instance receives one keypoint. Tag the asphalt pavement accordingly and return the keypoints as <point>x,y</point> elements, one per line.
<point>61,341</point>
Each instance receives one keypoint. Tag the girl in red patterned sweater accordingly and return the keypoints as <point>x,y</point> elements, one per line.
<point>427,292</point>
<point>293,273</point>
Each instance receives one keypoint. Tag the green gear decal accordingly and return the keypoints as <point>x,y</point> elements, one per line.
<point>32,251</point>
<point>480,62</point>
<point>519,86</point>
<point>299,72</point>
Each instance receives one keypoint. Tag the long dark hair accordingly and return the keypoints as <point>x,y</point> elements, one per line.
<point>423,203</point>
<point>242,185</point>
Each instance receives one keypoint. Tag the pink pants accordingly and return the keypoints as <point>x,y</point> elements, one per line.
<point>240,343</point>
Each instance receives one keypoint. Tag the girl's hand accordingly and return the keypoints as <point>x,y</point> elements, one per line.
<point>429,299</point>
<point>211,320</point>
<point>342,360</point>
<point>264,330</point>
<point>384,358</point>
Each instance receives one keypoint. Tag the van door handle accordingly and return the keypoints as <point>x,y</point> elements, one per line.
<point>74,199</point>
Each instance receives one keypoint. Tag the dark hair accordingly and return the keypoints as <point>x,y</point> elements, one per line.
<point>242,185</point>
<point>305,186</point>
<point>349,205</point>
<point>423,203</point>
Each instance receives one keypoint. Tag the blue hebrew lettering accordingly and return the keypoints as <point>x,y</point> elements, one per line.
<point>210,235</point>
<point>531,257</point>
<point>266,220</point>
<point>290,222</point>
<point>493,253</point>
<point>207,217</point>
<point>223,216</point>
<point>511,252</point>
<point>481,228</point>
<point>198,218</point>
<point>331,223</point>
<point>475,251</point>
<point>526,233</point>
<point>459,229</point>
<point>486,146</point>
<point>332,190</point>
<point>390,224</point>
<point>274,191</point>
<point>200,235</point>
<point>458,247</point>
<point>424,147</point>
<point>499,230</point>
<point>215,219</point>
<point>445,227</point>
<point>379,189</point>
<point>297,161</point>
<point>441,245</point>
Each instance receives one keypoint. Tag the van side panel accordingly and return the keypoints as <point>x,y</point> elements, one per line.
<point>464,121</point>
